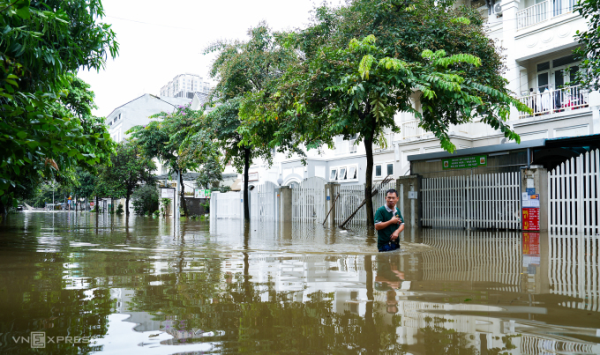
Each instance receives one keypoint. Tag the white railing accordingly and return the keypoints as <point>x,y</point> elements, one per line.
<point>411,129</point>
<point>533,14</point>
<point>555,101</point>
<point>542,12</point>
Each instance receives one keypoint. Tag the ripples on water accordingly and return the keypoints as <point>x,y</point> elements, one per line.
<point>291,288</point>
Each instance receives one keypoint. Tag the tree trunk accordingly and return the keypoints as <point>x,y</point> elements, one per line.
<point>369,182</point>
<point>112,205</point>
<point>127,202</point>
<point>96,205</point>
<point>182,196</point>
<point>246,194</point>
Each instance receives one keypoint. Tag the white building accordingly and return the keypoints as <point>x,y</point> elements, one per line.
<point>184,86</point>
<point>539,41</point>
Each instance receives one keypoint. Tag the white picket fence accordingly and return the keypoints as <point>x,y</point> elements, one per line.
<point>477,201</point>
<point>308,200</point>
<point>574,269</point>
<point>352,196</point>
<point>573,189</point>
<point>263,202</point>
<point>226,205</point>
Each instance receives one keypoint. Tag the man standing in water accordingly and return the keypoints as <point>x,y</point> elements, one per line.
<point>389,223</point>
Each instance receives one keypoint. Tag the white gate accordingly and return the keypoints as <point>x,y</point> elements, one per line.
<point>352,196</point>
<point>573,189</point>
<point>263,202</point>
<point>477,201</point>
<point>308,200</point>
<point>227,205</point>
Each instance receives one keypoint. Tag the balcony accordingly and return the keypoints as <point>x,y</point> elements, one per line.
<point>411,130</point>
<point>542,12</point>
<point>555,101</point>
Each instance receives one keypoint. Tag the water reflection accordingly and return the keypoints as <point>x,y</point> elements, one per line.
<point>266,287</point>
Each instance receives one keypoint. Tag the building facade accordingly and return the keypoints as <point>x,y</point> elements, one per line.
<point>184,86</point>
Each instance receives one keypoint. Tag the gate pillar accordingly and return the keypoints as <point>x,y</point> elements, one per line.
<point>331,191</point>
<point>285,204</point>
<point>534,195</point>
<point>409,203</point>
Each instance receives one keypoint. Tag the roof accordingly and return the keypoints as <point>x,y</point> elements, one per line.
<point>170,100</point>
<point>496,148</point>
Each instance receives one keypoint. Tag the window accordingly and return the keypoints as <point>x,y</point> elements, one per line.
<point>333,175</point>
<point>342,174</point>
<point>377,170</point>
<point>390,169</point>
<point>352,173</point>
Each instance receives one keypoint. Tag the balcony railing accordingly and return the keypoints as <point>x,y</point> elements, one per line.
<point>542,12</point>
<point>411,129</point>
<point>555,101</point>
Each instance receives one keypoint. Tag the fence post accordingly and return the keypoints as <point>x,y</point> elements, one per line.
<point>409,203</point>
<point>331,191</point>
<point>534,191</point>
<point>285,204</point>
<point>214,196</point>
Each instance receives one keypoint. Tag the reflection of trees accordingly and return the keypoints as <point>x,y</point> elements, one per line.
<point>36,299</point>
<point>436,339</point>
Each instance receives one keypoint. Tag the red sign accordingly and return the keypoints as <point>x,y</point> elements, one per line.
<point>91,204</point>
<point>531,244</point>
<point>531,219</point>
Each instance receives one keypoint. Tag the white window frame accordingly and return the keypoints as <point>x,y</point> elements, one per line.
<point>375,170</point>
<point>382,165</point>
<point>346,169</point>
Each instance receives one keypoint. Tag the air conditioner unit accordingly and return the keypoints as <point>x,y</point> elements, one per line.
<point>498,9</point>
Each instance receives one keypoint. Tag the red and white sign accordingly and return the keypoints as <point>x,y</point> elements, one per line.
<point>531,219</point>
<point>531,244</point>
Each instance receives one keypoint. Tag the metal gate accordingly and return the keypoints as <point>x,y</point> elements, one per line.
<point>308,200</point>
<point>263,202</point>
<point>573,189</point>
<point>226,205</point>
<point>477,201</point>
<point>352,196</point>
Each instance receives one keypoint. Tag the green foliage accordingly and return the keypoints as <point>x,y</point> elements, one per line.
<point>589,51</point>
<point>46,128</point>
<point>164,205</point>
<point>359,65</point>
<point>210,174</point>
<point>145,199</point>
<point>120,209</point>
<point>129,169</point>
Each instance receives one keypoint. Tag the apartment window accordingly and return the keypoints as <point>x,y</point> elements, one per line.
<point>333,175</point>
<point>390,169</point>
<point>352,173</point>
<point>343,175</point>
<point>377,170</point>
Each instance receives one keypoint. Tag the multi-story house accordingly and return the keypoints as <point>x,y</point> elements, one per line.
<point>185,86</point>
<point>538,40</point>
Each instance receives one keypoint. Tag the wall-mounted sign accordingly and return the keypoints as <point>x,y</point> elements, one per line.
<point>167,193</point>
<point>253,176</point>
<point>413,195</point>
<point>201,193</point>
<point>531,219</point>
<point>170,184</point>
<point>475,161</point>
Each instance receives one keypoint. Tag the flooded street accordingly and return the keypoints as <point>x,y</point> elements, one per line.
<point>129,286</point>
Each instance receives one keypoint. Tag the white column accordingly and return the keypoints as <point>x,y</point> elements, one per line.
<point>509,31</point>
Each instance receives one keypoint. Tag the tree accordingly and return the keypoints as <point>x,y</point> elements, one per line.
<point>210,174</point>
<point>359,65</point>
<point>129,170</point>
<point>42,45</point>
<point>243,68</point>
<point>165,140</point>
<point>589,52</point>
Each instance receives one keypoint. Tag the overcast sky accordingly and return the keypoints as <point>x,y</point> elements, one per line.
<point>160,39</point>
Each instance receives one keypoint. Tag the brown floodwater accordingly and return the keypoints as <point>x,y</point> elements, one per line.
<point>134,286</point>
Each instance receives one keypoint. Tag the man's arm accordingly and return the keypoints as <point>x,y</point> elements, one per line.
<point>382,225</point>
<point>396,233</point>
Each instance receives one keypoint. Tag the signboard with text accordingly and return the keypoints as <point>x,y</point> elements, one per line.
<point>531,244</point>
<point>201,193</point>
<point>531,219</point>
<point>476,161</point>
<point>167,193</point>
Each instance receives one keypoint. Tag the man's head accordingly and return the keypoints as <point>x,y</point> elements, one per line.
<point>391,198</point>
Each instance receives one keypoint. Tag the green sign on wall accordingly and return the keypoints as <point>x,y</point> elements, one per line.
<point>464,162</point>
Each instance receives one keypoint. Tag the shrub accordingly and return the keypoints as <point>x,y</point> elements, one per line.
<point>120,209</point>
<point>145,199</point>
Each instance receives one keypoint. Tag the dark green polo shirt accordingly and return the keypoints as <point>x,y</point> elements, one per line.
<point>383,215</point>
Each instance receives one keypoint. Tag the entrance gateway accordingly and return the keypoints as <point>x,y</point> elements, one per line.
<point>475,188</point>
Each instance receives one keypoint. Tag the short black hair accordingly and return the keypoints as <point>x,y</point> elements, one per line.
<point>391,191</point>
